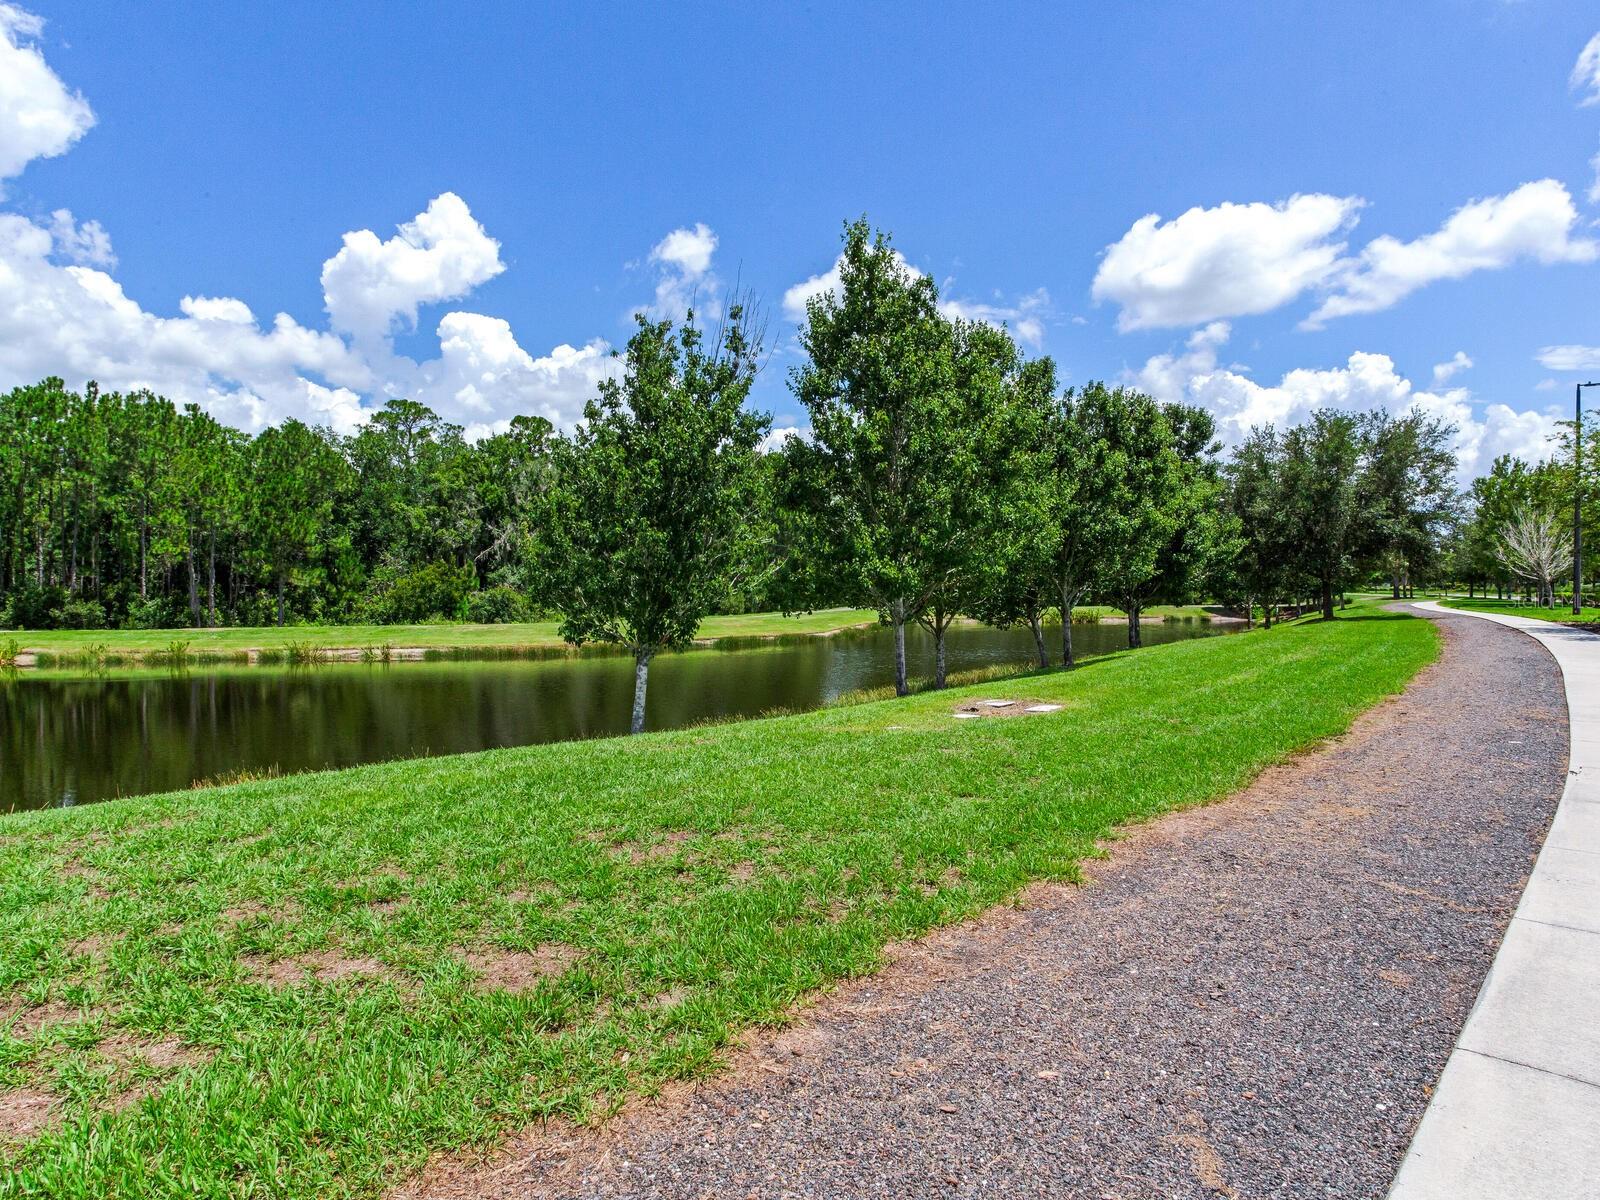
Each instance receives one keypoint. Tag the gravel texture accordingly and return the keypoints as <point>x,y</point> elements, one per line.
<point>1251,999</point>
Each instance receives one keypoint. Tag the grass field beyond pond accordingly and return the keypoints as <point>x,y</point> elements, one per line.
<point>305,986</point>
<point>528,635</point>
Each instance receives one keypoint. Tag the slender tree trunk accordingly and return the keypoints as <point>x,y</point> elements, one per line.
<point>641,681</point>
<point>1067,597</point>
<point>938,653</point>
<point>897,615</point>
<point>1327,599</point>
<point>1394,585</point>
<point>1036,627</point>
<point>194,586</point>
<point>1249,612</point>
<point>1135,634</point>
<point>211,581</point>
<point>280,599</point>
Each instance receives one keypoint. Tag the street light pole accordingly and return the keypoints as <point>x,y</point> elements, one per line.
<point>1577,496</point>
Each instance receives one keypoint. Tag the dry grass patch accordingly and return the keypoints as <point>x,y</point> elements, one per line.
<point>24,1112</point>
<point>324,966</point>
<point>501,970</point>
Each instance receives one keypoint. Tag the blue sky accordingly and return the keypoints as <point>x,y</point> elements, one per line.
<point>212,158</point>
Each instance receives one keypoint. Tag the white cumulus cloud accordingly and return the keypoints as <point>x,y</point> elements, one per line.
<point>1024,316</point>
<point>683,258</point>
<point>86,243</point>
<point>1585,79</point>
<point>1535,221</point>
<point>1445,371</point>
<point>39,116</point>
<point>1365,381</point>
<point>372,286</point>
<point>1228,261</point>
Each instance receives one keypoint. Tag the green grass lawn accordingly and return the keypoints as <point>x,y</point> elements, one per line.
<point>1561,612</point>
<point>533,634</point>
<point>288,987</point>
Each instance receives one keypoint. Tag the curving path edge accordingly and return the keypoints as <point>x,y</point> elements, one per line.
<point>1517,1109</point>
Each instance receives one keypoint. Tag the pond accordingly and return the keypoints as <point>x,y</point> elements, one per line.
<point>71,738</point>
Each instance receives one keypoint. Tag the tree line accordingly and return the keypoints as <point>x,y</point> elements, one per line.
<point>944,474</point>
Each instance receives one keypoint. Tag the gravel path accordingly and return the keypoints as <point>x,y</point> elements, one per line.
<point>1252,999</point>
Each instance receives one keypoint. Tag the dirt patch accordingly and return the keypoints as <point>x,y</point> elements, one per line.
<point>501,970</point>
<point>22,1018</point>
<point>93,946</point>
<point>742,872</point>
<point>324,966</point>
<point>24,1112</point>
<point>1018,707</point>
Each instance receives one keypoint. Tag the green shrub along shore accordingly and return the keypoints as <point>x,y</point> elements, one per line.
<point>306,985</point>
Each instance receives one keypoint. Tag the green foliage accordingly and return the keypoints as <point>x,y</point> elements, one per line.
<point>649,517</point>
<point>10,651</point>
<point>498,605</point>
<point>873,502</point>
<point>434,591</point>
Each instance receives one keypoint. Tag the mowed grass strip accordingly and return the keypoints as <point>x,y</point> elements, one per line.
<point>304,986</point>
<point>1561,613</point>
<point>530,635</point>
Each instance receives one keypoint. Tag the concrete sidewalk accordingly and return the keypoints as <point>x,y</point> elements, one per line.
<point>1517,1110</point>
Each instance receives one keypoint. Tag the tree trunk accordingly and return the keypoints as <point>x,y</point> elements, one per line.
<point>280,600</point>
<point>897,615</point>
<point>1249,612</point>
<point>641,680</point>
<point>1036,627</point>
<point>194,587</point>
<point>1327,599</point>
<point>211,582</point>
<point>938,653</point>
<point>1266,613</point>
<point>1394,585</point>
<point>1135,634</point>
<point>1066,628</point>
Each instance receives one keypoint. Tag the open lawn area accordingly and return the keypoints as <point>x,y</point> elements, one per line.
<point>304,986</point>
<point>528,635</point>
<point>1561,612</point>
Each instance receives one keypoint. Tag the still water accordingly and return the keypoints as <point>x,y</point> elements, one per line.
<point>70,738</point>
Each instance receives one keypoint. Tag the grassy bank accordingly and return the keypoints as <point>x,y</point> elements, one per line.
<point>1561,613</point>
<point>224,643</point>
<point>303,986</point>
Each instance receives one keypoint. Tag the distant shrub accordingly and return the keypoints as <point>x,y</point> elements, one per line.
<point>150,614</point>
<point>432,592</point>
<point>499,605</point>
<point>10,651</point>
<point>81,614</point>
<point>35,607</point>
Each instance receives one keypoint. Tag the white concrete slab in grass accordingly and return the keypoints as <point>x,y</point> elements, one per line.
<point>997,703</point>
<point>1517,1111</point>
<point>967,716</point>
<point>1044,708</point>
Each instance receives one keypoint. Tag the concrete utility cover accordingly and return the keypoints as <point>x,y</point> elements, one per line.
<point>966,716</point>
<point>998,703</point>
<point>1044,708</point>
